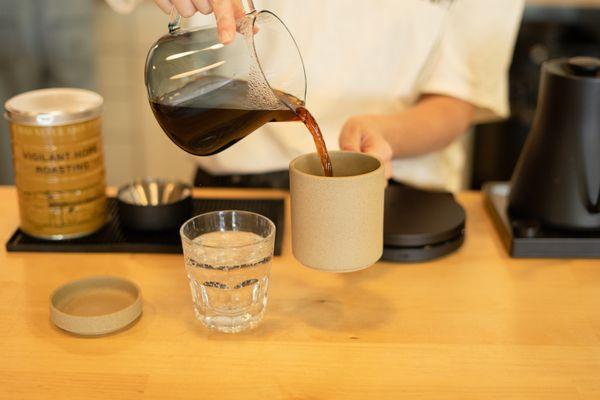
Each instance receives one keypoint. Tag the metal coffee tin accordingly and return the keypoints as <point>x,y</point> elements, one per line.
<point>58,161</point>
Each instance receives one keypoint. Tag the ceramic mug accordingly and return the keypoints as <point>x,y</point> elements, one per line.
<point>337,222</point>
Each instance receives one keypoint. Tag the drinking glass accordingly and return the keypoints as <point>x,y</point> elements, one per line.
<point>228,260</point>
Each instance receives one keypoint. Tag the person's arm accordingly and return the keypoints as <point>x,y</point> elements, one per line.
<point>465,80</point>
<point>431,124</point>
<point>226,12</point>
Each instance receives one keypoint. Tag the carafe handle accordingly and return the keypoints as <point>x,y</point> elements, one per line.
<point>175,18</point>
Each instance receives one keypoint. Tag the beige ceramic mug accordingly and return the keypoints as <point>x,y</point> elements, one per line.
<point>337,222</point>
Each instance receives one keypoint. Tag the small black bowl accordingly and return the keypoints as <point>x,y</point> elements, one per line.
<point>154,205</point>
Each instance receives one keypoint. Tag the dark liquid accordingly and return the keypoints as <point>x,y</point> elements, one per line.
<point>305,116</point>
<point>211,114</point>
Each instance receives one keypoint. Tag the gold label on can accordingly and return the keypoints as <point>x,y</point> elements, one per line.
<point>60,179</point>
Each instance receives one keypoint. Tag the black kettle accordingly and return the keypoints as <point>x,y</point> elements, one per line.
<point>557,178</point>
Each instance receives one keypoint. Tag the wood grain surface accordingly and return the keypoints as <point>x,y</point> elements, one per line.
<point>473,325</point>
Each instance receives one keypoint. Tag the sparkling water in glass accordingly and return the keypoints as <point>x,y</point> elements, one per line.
<point>228,259</point>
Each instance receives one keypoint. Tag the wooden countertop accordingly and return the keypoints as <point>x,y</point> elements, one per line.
<point>473,325</point>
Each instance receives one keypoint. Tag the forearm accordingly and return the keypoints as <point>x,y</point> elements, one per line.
<point>431,124</point>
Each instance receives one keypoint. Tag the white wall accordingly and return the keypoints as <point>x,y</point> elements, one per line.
<point>134,143</point>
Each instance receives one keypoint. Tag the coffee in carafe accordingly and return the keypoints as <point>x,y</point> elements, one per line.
<point>212,113</point>
<point>203,120</point>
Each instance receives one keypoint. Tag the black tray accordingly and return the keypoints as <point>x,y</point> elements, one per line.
<point>113,238</point>
<point>522,240</point>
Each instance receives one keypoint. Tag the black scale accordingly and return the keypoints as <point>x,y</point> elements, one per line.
<point>420,225</point>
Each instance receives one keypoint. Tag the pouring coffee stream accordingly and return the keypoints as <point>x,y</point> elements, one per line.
<point>207,96</point>
<point>314,129</point>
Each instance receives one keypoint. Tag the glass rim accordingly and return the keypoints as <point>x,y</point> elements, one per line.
<point>189,241</point>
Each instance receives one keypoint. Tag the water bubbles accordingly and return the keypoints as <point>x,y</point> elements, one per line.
<point>260,94</point>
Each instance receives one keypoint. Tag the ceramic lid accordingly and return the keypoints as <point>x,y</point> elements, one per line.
<point>95,305</point>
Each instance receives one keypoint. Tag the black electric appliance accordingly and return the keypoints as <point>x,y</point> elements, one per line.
<point>554,197</point>
<point>546,33</point>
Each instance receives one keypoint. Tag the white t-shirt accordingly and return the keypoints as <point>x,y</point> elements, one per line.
<point>379,56</point>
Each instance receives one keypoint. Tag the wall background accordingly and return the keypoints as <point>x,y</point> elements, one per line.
<point>134,143</point>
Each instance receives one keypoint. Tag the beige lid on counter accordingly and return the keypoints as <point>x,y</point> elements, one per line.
<point>95,305</point>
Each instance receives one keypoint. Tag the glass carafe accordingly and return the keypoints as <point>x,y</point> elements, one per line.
<point>206,96</point>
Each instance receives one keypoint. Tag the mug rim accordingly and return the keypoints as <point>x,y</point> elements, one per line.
<point>337,178</point>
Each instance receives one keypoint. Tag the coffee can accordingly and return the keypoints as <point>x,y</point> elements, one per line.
<point>58,161</point>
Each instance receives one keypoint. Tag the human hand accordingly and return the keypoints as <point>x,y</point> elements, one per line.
<point>226,12</point>
<point>365,133</point>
